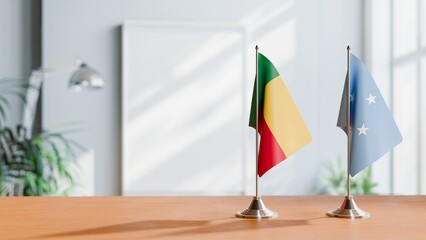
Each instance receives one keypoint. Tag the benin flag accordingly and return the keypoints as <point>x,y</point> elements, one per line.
<point>281,127</point>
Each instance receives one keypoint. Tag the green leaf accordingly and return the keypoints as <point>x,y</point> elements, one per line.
<point>334,179</point>
<point>30,182</point>
<point>4,101</point>
<point>2,113</point>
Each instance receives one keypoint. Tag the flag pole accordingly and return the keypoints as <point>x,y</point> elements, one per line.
<point>348,209</point>
<point>257,122</point>
<point>257,208</point>
<point>348,122</point>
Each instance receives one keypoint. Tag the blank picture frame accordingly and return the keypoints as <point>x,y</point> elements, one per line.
<point>184,115</point>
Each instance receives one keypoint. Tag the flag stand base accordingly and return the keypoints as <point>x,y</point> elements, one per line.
<point>348,209</point>
<point>257,209</point>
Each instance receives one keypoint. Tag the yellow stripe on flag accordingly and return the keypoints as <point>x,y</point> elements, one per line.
<point>283,118</point>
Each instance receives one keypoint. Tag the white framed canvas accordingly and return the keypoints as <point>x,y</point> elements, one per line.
<point>184,115</point>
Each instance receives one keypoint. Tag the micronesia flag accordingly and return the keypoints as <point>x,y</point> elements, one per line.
<point>374,132</point>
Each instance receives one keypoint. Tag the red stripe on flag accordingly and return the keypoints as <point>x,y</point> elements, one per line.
<point>270,152</point>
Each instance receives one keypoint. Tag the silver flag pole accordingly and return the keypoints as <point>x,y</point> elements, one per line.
<point>348,209</point>
<point>257,208</point>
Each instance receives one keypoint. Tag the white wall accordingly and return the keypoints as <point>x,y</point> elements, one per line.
<point>15,47</point>
<point>306,40</point>
<point>395,43</point>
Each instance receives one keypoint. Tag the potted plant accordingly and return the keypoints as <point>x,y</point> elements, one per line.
<point>35,165</point>
<point>333,180</point>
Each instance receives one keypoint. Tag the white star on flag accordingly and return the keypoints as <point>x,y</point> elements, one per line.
<point>351,98</point>
<point>362,130</point>
<point>371,99</point>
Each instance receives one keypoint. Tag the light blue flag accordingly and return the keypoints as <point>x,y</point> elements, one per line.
<point>374,132</point>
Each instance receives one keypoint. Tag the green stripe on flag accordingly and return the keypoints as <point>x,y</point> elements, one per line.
<point>267,72</point>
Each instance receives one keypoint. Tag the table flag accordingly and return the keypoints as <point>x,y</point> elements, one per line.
<point>281,127</point>
<point>374,131</point>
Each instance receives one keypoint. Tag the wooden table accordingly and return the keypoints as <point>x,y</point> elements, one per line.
<point>301,217</point>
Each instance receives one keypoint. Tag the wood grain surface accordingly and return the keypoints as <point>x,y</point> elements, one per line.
<point>300,217</point>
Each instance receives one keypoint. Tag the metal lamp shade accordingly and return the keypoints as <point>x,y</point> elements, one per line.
<point>87,78</point>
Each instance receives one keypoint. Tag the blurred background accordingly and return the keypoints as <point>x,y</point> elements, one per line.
<point>172,116</point>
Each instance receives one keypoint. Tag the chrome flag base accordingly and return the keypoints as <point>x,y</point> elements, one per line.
<point>257,209</point>
<point>348,209</point>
